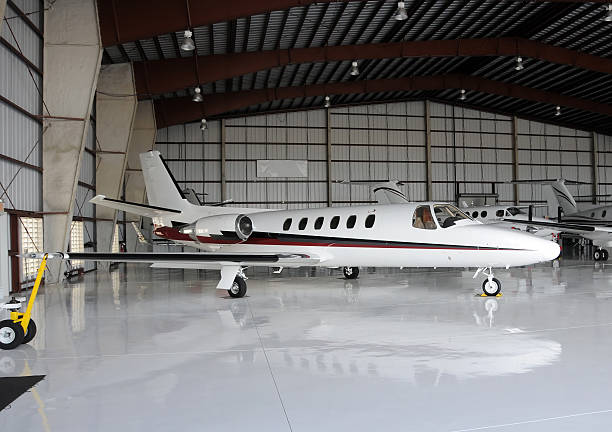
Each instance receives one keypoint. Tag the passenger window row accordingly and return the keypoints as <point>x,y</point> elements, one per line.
<point>333,223</point>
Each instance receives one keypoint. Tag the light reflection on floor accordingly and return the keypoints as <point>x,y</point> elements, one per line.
<point>413,349</point>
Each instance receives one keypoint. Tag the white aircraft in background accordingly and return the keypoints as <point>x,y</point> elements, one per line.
<point>397,235</point>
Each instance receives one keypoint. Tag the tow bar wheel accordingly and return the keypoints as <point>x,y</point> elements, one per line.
<point>11,334</point>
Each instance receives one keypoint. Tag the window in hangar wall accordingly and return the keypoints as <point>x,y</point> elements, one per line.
<point>77,243</point>
<point>31,240</point>
<point>115,244</point>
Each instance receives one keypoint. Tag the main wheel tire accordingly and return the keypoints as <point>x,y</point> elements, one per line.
<point>597,255</point>
<point>604,255</point>
<point>238,289</point>
<point>350,272</point>
<point>492,288</point>
<point>11,334</point>
<point>30,333</point>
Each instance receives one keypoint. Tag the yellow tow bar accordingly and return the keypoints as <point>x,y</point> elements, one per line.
<point>20,328</point>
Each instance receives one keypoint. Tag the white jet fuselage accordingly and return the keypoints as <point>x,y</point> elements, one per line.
<point>391,241</point>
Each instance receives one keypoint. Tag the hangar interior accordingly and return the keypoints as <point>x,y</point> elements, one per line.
<point>455,101</point>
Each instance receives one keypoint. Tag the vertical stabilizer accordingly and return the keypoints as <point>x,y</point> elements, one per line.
<point>563,197</point>
<point>162,188</point>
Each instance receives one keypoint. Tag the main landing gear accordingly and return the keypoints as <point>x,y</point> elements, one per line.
<point>239,287</point>
<point>350,272</point>
<point>600,255</point>
<point>491,286</point>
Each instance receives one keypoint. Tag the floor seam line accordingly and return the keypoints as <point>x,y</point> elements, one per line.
<point>263,348</point>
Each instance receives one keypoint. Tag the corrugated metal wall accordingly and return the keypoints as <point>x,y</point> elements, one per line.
<point>471,152</point>
<point>604,167</point>
<point>20,133</point>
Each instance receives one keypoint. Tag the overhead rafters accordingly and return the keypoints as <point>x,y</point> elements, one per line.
<point>164,76</point>
<point>128,21</point>
<point>181,110</point>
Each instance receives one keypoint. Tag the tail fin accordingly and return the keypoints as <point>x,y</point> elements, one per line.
<point>563,195</point>
<point>162,188</point>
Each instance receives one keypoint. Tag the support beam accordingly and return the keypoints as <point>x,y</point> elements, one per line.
<point>595,162</point>
<point>2,8</point>
<point>126,21</point>
<point>143,140</point>
<point>515,159</point>
<point>115,112</point>
<point>72,55</point>
<point>169,75</point>
<point>328,165</point>
<point>182,110</point>
<point>428,151</point>
<point>223,163</point>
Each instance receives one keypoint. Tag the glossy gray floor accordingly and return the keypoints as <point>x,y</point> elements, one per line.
<point>156,350</point>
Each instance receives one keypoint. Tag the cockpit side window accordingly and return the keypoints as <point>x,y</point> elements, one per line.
<point>514,211</point>
<point>422,218</point>
<point>448,214</point>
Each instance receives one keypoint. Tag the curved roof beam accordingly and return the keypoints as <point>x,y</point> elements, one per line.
<point>127,21</point>
<point>163,76</point>
<point>182,110</point>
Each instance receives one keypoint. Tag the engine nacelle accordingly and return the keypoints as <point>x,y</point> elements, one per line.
<point>226,226</point>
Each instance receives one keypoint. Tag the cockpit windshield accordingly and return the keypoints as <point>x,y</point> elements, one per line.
<point>514,211</point>
<point>447,215</point>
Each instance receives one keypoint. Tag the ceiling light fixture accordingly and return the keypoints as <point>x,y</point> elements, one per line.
<point>400,13</point>
<point>197,96</point>
<point>608,16</point>
<point>203,125</point>
<point>354,69</point>
<point>462,95</point>
<point>558,111</point>
<point>327,102</point>
<point>519,64</point>
<point>188,44</point>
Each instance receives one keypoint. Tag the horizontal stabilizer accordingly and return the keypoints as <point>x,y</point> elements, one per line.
<point>134,208</point>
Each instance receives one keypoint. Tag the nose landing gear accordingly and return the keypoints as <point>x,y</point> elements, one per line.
<point>350,272</point>
<point>491,286</point>
<point>600,255</point>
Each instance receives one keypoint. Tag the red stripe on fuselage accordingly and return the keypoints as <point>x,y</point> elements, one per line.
<point>175,235</point>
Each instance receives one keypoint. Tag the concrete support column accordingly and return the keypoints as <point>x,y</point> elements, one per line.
<point>115,111</point>
<point>72,55</point>
<point>2,7</point>
<point>428,150</point>
<point>143,140</point>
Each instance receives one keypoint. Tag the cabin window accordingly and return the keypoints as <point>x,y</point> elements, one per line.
<point>475,214</point>
<point>603,213</point>
<point>369,222</point>
<point>499,213</point>
<point>287,224</point>
<point>350,222</point>
<point>593,214</point>
<point>448,215</point>
<point>303,223</point>
<point>335,221</point>
<point>318,223</point>
<point>483,214</point>
<point>422,218</point>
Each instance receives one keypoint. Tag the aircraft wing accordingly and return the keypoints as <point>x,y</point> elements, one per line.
<point>135,208</point>
<point>561,226</point>
<point>190,260</point>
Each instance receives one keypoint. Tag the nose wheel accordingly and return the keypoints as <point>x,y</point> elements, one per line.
<point>491,286</point>
<point>350,272</point>
<point>600,255</point>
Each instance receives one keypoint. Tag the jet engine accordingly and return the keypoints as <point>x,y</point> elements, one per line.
<point>225,227</point>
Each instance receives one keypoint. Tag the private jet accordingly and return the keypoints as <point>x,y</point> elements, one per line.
<point>421,234</point>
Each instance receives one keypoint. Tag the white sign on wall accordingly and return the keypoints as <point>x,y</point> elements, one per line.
<point>282,168</point>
